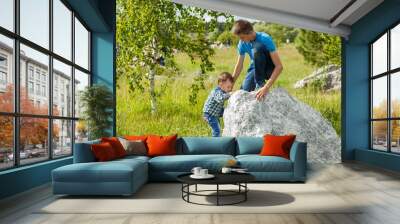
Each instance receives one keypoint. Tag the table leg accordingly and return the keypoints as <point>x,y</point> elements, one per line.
<point>245,193</point>
<point>217,194</point>
<point>195,188</point>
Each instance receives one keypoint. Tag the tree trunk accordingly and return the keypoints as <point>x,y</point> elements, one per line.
<point>153,101</point>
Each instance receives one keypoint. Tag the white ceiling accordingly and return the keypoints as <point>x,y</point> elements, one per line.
<point>317,15</point>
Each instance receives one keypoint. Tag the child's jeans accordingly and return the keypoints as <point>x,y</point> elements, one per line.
<point>213,122</point>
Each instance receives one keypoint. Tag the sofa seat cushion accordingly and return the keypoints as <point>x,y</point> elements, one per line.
<point>185,163</point>
<point>112,171</point>
<point>257,163</point>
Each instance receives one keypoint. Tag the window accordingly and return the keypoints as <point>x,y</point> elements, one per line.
<point>62,74</point>
<point>44,91</point>
<point>30,88</point>
<point>81,82</point>
<point>62,137</point>
<point>6,142</point>
<point>7,14</point>
<point>81,45</point>
<point>47,74</point>
<point>62,29</point>
<point>37,89</point>
<point>30,72</point>
<point>6,73</point>
<point>385,91</point>
<point>3,78</point>
<point>35,21</point>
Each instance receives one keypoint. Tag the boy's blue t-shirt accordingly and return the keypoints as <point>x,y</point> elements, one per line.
<point>247,47</point>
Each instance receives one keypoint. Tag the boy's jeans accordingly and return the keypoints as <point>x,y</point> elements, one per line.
<point>260,70</point>
<point>213,122</point>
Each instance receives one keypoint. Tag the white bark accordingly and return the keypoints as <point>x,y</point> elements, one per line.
<point>153,101</point>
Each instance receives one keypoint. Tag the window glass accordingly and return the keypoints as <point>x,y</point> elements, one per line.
<point>6,142</point>
<point>379,135</point>
<point>7,14</point>
<point>81,131</point>
<point>81,82</point>
<point>395,95</point>
<point>6,74</point>
<point>379,56</point>
<point>62,138</point>
<point>395,47</point>
<point>62,89</point>
<point>30,58</point>
<point>33,140</point>
<point>395,136</point>
<point>81,45</point>
<point>35,21</point>
<point>379,97</point>
<point>62,29</point>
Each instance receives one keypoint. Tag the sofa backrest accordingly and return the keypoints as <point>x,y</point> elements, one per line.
<point>249,145</point>
<point>206,145</point>
<point>83,152</point>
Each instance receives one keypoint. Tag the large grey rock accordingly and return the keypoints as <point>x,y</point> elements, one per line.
<point>280,113</point>
<point>327,77</point>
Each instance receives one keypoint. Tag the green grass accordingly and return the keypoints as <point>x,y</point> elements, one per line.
<point>176,115</point>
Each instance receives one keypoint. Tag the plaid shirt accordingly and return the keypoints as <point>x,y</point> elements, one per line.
<point>214,104</point>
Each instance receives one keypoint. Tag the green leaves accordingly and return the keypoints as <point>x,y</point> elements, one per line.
<point>319,49</point>
<point>151,29</point>
<point>97,103</point>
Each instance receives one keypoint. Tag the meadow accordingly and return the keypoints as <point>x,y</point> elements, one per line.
<point>176,114</point>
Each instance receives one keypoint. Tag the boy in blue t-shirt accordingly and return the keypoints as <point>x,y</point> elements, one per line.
<point>265,64</point>
<point>214,106</point>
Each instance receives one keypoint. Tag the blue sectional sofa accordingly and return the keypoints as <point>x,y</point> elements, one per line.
<point>125,176</point>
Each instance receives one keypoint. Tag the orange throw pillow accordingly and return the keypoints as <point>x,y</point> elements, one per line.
<point>116,145</point>
<point>161,145</point>
<point>277,145</point>
<point>142,138</point>
<point>103,152</point>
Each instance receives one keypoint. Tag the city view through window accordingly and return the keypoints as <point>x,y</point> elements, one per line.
<point>39,113</point>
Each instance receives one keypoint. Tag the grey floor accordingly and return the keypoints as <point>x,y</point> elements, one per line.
<point>377,188</point>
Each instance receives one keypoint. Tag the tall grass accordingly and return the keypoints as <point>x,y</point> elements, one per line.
<point>177,115</point>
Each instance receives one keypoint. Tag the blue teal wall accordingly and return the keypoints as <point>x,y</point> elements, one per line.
<point>99,16</point>
<point>355,85</point>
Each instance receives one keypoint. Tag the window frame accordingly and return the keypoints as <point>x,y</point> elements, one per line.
<point>16,114</point>
<point>388,74</point>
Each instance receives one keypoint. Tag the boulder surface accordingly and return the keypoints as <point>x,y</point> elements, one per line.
<point>279,113</point>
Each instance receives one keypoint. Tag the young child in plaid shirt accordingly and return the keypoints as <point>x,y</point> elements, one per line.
<point>214,106</point>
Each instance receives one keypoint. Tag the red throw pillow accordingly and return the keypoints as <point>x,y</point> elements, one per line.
<point>136,138</point>
<point>103,151</point>
<point>161,145</point>
<point>277,145</point>
<point>116,145</point>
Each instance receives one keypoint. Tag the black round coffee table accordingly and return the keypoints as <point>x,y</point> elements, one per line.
<point>238,179</point>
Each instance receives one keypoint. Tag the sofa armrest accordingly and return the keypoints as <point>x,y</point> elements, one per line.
<point>83,152</point>
<point>298,155</point>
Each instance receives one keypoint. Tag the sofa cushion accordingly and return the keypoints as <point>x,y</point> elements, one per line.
<point>161,145</point>
<point>116,145</point>
<point>185,163</point>
<point>277,145</point>
<point>112,171</point>
<point>257,163</point>
<point>206,145</point>
<point>249,145</point>
<point>103,152</point>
